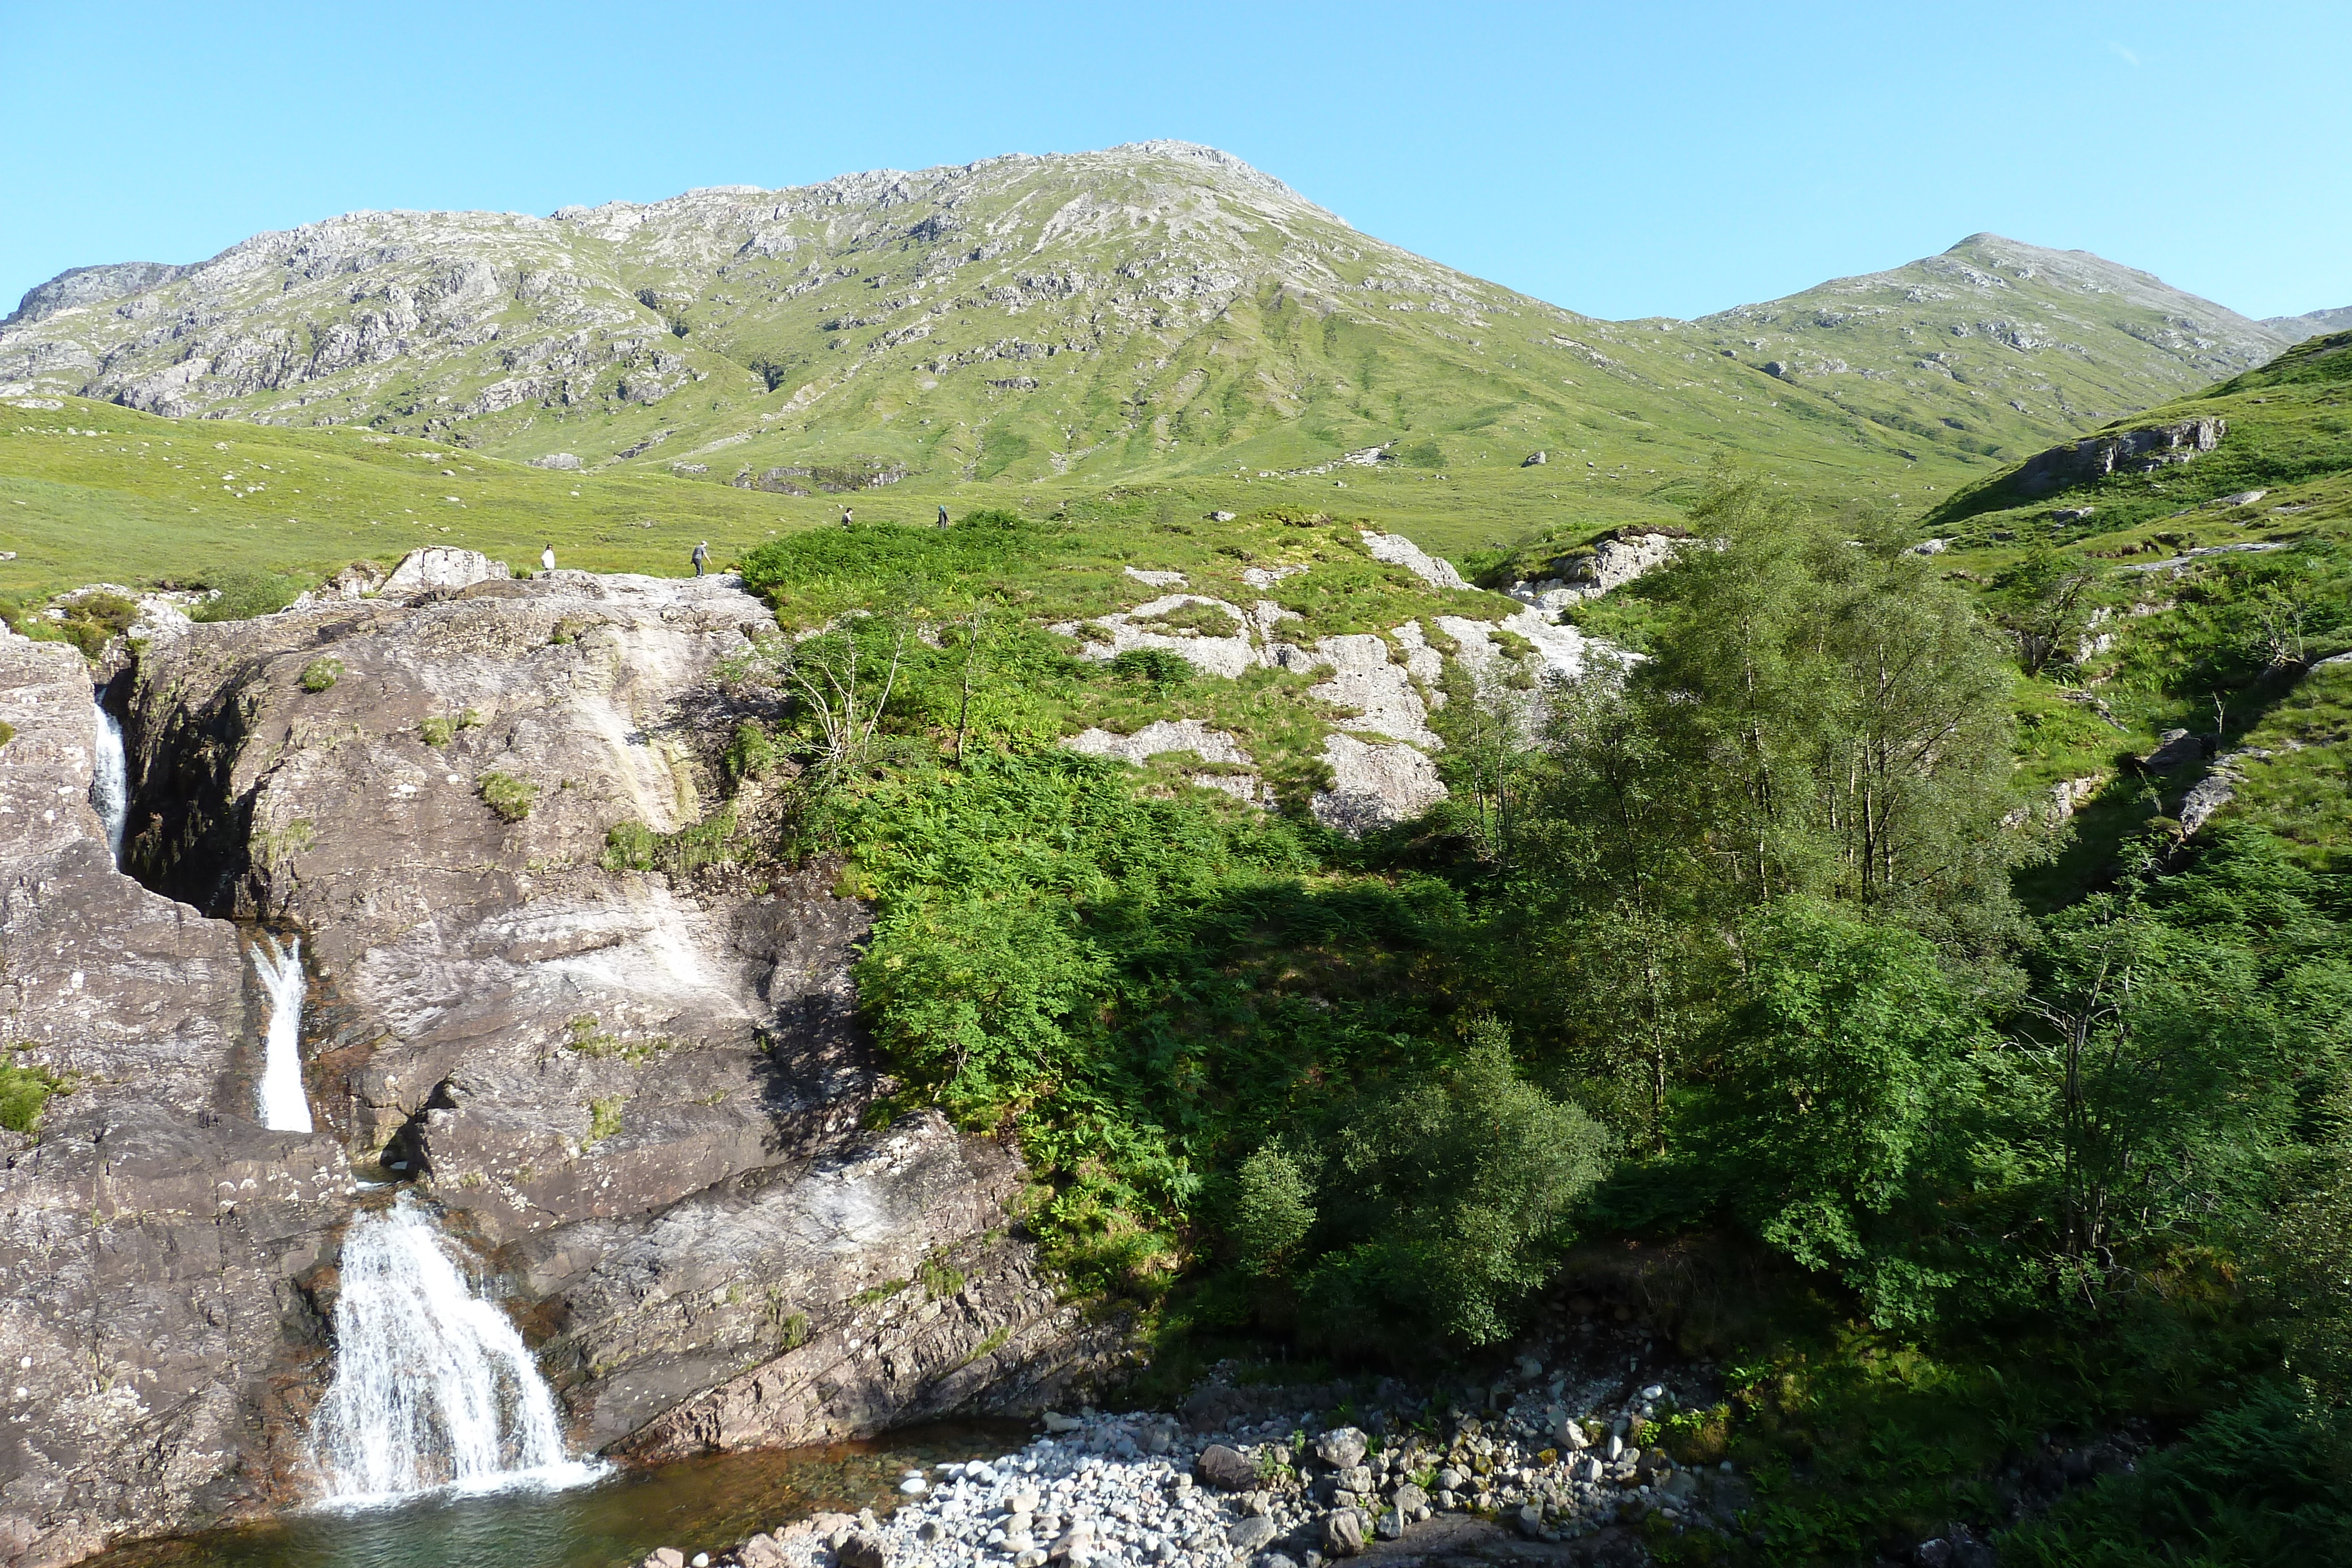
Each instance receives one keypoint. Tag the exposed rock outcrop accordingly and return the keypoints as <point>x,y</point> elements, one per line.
<point>150,1231</point>
<point>644,1100</point>
<point>2095,458</point>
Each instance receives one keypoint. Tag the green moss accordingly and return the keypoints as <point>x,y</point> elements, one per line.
<point>603,1121</point>
<point>322,673</point>
<point>436,730</point>
<point>7,732</point>
<point>881,1292</point>
<point>24,1091</point>
<point>511,797</point>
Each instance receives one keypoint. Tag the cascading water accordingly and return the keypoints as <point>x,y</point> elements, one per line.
<point>285,1107</point>
<point>433,1385</point>
<point>110,780</point>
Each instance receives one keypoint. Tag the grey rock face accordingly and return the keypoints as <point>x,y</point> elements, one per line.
<point>83,286</point>
<point>2129,452</point>
<point>153,1235</point>
<point>643,1099</point>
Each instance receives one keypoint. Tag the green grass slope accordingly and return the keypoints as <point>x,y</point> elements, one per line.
<point>1159,314</point>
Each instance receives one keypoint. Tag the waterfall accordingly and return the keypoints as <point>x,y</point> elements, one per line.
<point>110,780</point>
<point>284,1106</point>
<point>433,1387</point>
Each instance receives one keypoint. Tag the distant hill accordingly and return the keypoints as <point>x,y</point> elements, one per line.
<point>1153,311</point>
<point>1994,338</point>
<point>2296,329</point>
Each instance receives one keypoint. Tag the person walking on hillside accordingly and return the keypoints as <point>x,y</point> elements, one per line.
<point>943,513</point>
<point>701,554</point>
<point>848,518</point>
<point>547,558</point>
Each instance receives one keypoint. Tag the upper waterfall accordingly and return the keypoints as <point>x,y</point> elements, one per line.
<point>285,1106</point>
<point>110,780</point>
<point>433,1385</point>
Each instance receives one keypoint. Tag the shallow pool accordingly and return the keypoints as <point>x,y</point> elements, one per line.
<point>697,1505</point>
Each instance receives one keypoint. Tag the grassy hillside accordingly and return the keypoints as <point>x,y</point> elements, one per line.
<point>1046,328</point>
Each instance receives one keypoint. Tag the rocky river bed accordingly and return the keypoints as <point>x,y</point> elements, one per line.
<point>1562,1462</point>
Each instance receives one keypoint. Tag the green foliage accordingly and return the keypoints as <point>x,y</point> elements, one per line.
<point>94,619</point>
<point>243,594</point>
<point>24,1091</point>
<point>1842,1102</point>
<point>2267,1481</point>
<point>750,754</point>
<point>714,840</point>
<point>437,730</point>
<point>1441,1204</point>
<point>7,732</point>
<point>511,797</point>
<point>322,673</point>
<point>1160,668</point>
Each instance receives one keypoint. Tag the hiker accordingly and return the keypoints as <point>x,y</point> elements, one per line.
<point>701,554</point>
<point>547,558</point>
<point>847,518</point>
<point>943,513</point>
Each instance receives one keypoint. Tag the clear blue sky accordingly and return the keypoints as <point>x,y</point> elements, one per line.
<point>1621,160</point>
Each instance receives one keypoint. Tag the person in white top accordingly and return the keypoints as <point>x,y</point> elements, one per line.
<point>547,558</point>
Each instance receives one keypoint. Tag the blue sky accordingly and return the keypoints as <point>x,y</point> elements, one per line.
<point>1620,160</point>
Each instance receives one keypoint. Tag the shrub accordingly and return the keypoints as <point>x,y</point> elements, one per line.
<point>94,619</point>
<point>509,796</point>
<point>1160,667</point>
<point>1435,1211</point>
<point>242,595</point>
<point>319,675</point>
<point>437,730</point>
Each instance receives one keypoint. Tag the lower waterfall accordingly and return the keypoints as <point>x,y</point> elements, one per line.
<point>433,1385</point>
<point>285,1106</point>
<point>110,780</point>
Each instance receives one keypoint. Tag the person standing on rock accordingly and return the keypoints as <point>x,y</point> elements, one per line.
<point>701,554</point>
<point>547,558</point>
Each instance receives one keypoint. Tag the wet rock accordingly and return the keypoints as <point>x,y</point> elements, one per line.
<point>861,1551</point>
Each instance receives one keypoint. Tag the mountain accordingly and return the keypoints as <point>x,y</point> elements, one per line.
<point>2314,324</point>
<point>1994,338</point>
<point>1153,311</point>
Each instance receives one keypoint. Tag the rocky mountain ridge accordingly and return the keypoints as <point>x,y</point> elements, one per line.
<point>1155,307</point>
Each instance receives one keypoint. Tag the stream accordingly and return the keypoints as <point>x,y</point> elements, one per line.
<point>694,1505</point>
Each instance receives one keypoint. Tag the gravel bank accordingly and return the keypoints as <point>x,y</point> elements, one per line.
<point>1553,1468</point>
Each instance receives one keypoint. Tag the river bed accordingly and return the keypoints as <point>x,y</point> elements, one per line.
<point>694,1505</point>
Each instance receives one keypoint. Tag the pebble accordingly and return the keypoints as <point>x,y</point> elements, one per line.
<point>1103,1490</point>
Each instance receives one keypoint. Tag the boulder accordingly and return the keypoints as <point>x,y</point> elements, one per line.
<point>442,566</point>
<point>563,462</point>
<point>862,1550</point>
<point>1340,1448</point>
<point>1343,1533</point>
<point>1251,1534</point>
<point>1225,1468</point>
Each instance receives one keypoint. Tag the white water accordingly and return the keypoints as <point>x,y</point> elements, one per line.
<point>110,781</point>
<point>433,1387</point>
<point>284,1107</point>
